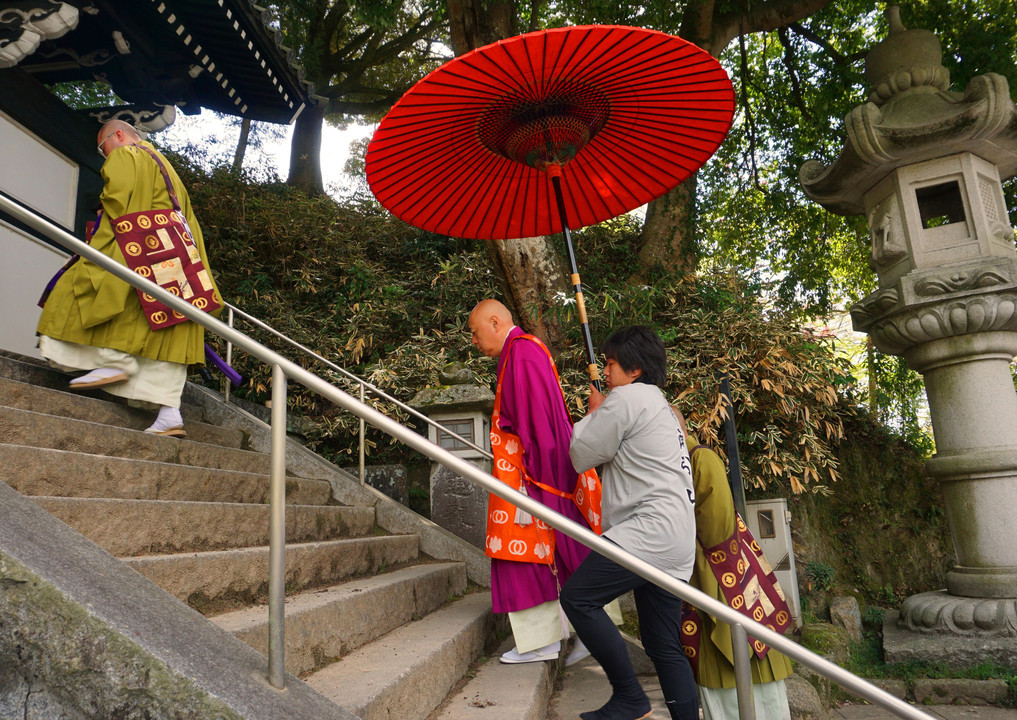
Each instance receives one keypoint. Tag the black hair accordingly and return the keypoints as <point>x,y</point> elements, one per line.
<point>637,347</point>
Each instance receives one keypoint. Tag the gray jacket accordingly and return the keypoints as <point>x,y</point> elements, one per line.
<point>649,501</point>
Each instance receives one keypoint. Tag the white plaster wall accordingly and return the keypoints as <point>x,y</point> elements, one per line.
<point>27,265</point>
<point>36,175</point>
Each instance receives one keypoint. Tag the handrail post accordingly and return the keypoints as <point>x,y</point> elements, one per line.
<point>277,535</point>
<point>229,352</point>
<point>363,435</point>
<point>743,672</point>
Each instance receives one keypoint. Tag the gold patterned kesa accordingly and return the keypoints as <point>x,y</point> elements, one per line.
<point>758,646</point>
<point>159,317</point>
<point>143,271</point>
<point>741,523</point>
<point>177,314</point>
<point>144,222</point>
<point>689,627</point>
<point>734,547</point>
<point>729,579</point>
<point>782,617</point>
<point>758,614</point>
<point>741,566</point>
<point>200,303</point>
<point>174,290</point>
<point>133,249</point>
<point>755,547</point>
<point>161,219</point>
<point>690,652</point>
<point>147,298</point>
<point>152,242</point>
<point>718,556</point>
<point>124,226</point>
<point>737,602</point>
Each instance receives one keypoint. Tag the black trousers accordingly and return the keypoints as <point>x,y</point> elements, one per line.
<point>593,585</point>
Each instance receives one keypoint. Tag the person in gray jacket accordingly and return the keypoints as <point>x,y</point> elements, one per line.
<point>649,510</point>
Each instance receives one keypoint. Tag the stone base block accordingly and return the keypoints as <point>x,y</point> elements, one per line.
<point>389,479</point>
<point>960,691</point>
<point>957,651</point>
<point>459,506</point>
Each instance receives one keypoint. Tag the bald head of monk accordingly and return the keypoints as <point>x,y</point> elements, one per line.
<point>490,323</point>
<point>114,134</point>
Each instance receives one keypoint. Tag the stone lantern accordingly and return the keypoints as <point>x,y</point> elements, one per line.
<point>925,166</point>
<point>457,405</point>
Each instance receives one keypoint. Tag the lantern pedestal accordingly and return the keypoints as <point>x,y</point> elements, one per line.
<point>457,504</point>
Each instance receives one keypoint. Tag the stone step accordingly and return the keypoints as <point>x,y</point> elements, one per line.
<point>225,579</point>
<point>35,429</point>
<point>67,404</point>
<point>35,372</point>
<point>325,625</point>
<point>408,672</point>
<point>146,527</point>
<point>63,473</point>
<point>507,692</point>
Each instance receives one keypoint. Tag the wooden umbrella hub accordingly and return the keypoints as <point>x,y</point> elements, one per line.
<point>543,131</point>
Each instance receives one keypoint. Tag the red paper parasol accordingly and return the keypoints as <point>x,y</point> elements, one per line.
<point>616,116</point>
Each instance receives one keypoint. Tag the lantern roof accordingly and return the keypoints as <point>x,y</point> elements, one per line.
<point>912,116</point>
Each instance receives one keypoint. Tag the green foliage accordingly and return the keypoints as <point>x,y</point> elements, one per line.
<point>820,575</point>
<point>350,282</point>
<point>883,530</point>
<point>362,55</point>
<point>389,302</point>
<point>790,390</point>
<point>872,617</point>
<point>86,94</point>
<point>900,398</point>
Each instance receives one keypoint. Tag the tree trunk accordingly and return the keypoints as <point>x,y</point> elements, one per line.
<point>532,274</point>
<point>531,271</point>
<point>238,156</point>
<point>475,23</point>
<point>305,150</point>
<point>667,240</point>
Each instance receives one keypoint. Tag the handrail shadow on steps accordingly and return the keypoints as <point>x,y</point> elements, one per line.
<point>284,370</point>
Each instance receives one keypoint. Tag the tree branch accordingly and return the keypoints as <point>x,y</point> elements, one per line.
<point>534,15</point>
<point>762,17</point>
<point>750,120</point>
<point>837,56</point>
<point>788,60</point>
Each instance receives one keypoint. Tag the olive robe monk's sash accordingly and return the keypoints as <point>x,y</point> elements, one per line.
<point>512,534</point>
<point>159,246</point>
<point>749,586</point>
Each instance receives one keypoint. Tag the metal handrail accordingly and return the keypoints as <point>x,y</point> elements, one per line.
<point>283,368</point>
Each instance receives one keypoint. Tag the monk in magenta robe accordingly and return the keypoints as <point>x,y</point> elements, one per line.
<point>531,408</point>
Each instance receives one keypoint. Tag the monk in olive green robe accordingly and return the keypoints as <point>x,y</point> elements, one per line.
<point>715,523</point>
<point>89,308</point>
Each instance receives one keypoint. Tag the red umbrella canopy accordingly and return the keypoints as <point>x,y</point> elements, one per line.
<point>625,113</point>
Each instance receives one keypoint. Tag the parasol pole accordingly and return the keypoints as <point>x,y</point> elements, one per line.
<point>554,172</point>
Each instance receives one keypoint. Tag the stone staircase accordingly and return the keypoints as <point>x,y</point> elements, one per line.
<point>387,615</point>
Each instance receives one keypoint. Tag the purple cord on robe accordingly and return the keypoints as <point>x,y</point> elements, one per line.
<point>532,408</point>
